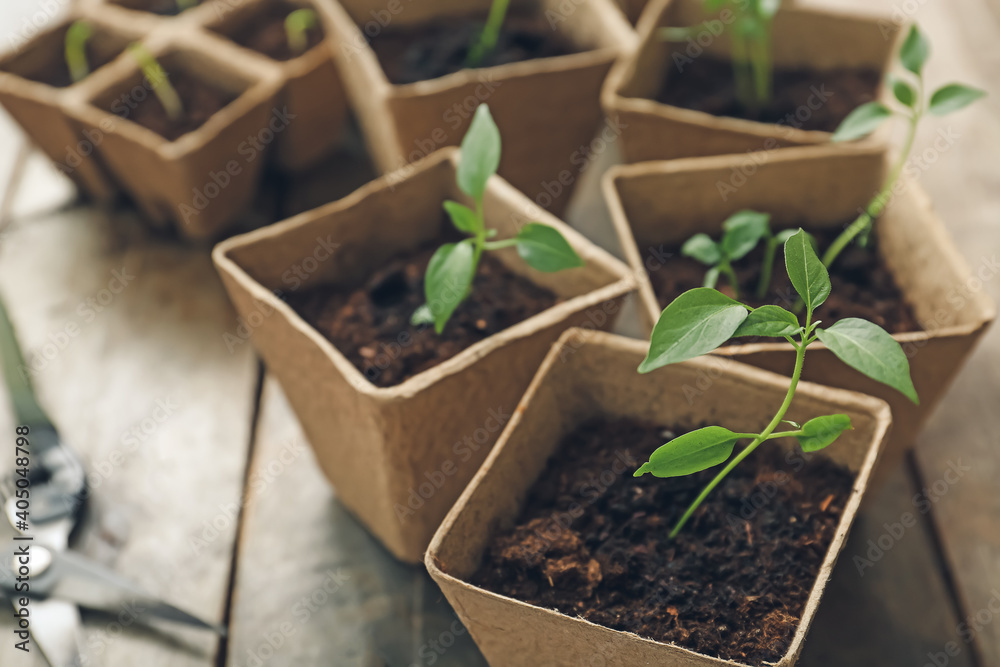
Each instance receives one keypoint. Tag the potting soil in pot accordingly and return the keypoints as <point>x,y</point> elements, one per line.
<point>802,98</point>
<point>371,324</point>
<point>161,7</point>
<point>428,51</point>
<point>592,542</point>
<point>862,284</point>
<point>264,32</point>
<point>199,100</point>
<point>55,72</point>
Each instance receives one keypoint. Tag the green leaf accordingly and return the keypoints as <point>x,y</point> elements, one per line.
<point>449,276</point>
<point>913,54</point>
<point>953,97</point>
<point>867,348</point>
<point>545,249</point>
<point>820,432</point>
<point>702,248</point>
<point>463,217</point>
<point>809,277</point>
<point>744,230</point>
<point>769,321</point>
<point>480,153</point>
<point>768,8</point>
<point>862,121</point>
<point>690,453</point>
<point>904,92</point>
<point>784,235</point>
<point>695,323</point>
<point>422,315</point>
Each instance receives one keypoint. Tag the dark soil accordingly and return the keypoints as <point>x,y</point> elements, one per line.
<point>734,582</point>
<point>371,325</point>
<point>161,7</point>
<point>862,286</point>
<point>265,33</point>
<point>428,51</point>
<point>200,102</point>
<point>707,84</point>
<point>56,72</point>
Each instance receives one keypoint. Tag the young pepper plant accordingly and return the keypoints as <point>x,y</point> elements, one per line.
<point>297,25</point>
<point>75,49</point>
<point>868,117</point>
<point>742,232</point>
<point>750,36</point>
<point>486,41</point>
<point>452,268</point>
<point>157,78</point>
<point>701,319</point>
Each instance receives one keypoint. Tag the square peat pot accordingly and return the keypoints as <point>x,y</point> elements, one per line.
<point>662,204</point>
<point>399,456</point>
<point>591,374</point>
<point>34,82</point>
<point>202,179</point>
<point>548,108</point>
<point>827,45</point>
<point>149,15</point>
<point>312,93</point>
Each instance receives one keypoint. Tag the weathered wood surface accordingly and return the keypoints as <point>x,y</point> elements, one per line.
<point>161,338</point>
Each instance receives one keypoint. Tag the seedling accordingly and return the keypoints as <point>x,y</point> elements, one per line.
<point>743,231</point>
<point>488,36</point>
<point>297,25</point>
<point>750,36</point>
<point>77,36</point>
<point>157,78</point>
<point>868,117</point>
<point>452,268</point>
<point>702,319</point>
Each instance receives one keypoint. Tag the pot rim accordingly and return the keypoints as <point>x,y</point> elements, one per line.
<point>984,314</point>
<point>421,381</point>
<point>876,408</point>
<point>623,70</point>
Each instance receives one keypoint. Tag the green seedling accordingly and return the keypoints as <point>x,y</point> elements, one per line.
<point>297,25</point>
<point>451,270</point>
<point>157,78</point>
<point>77,36</point>
<point>910,94</point>
<point>488,36</point>
<point>742,232</point>
<point>750,36</point>
<point>702,319</point>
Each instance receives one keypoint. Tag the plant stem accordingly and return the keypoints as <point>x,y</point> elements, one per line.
<point>157,78</point>
<point>297,25</point>
<point>760,62</point>
<point>767,267</point>
<point>491,33</point>
<point>742,72</point>
<point>878,204</point>
<point>727,270</point>
<point>75,47</point>
<point>800,353</point>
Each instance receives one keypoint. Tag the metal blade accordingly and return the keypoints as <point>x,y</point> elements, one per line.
<point>94,586</point>
<point>55,627</point>
<point>15,372</point>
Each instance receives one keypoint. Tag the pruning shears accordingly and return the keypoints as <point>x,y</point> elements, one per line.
<point>42,500</point>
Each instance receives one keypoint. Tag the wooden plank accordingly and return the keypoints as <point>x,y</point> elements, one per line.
<point>124,337</point>
<point>312,586</point>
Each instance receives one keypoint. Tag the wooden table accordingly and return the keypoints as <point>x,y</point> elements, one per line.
<point>206,493</point>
